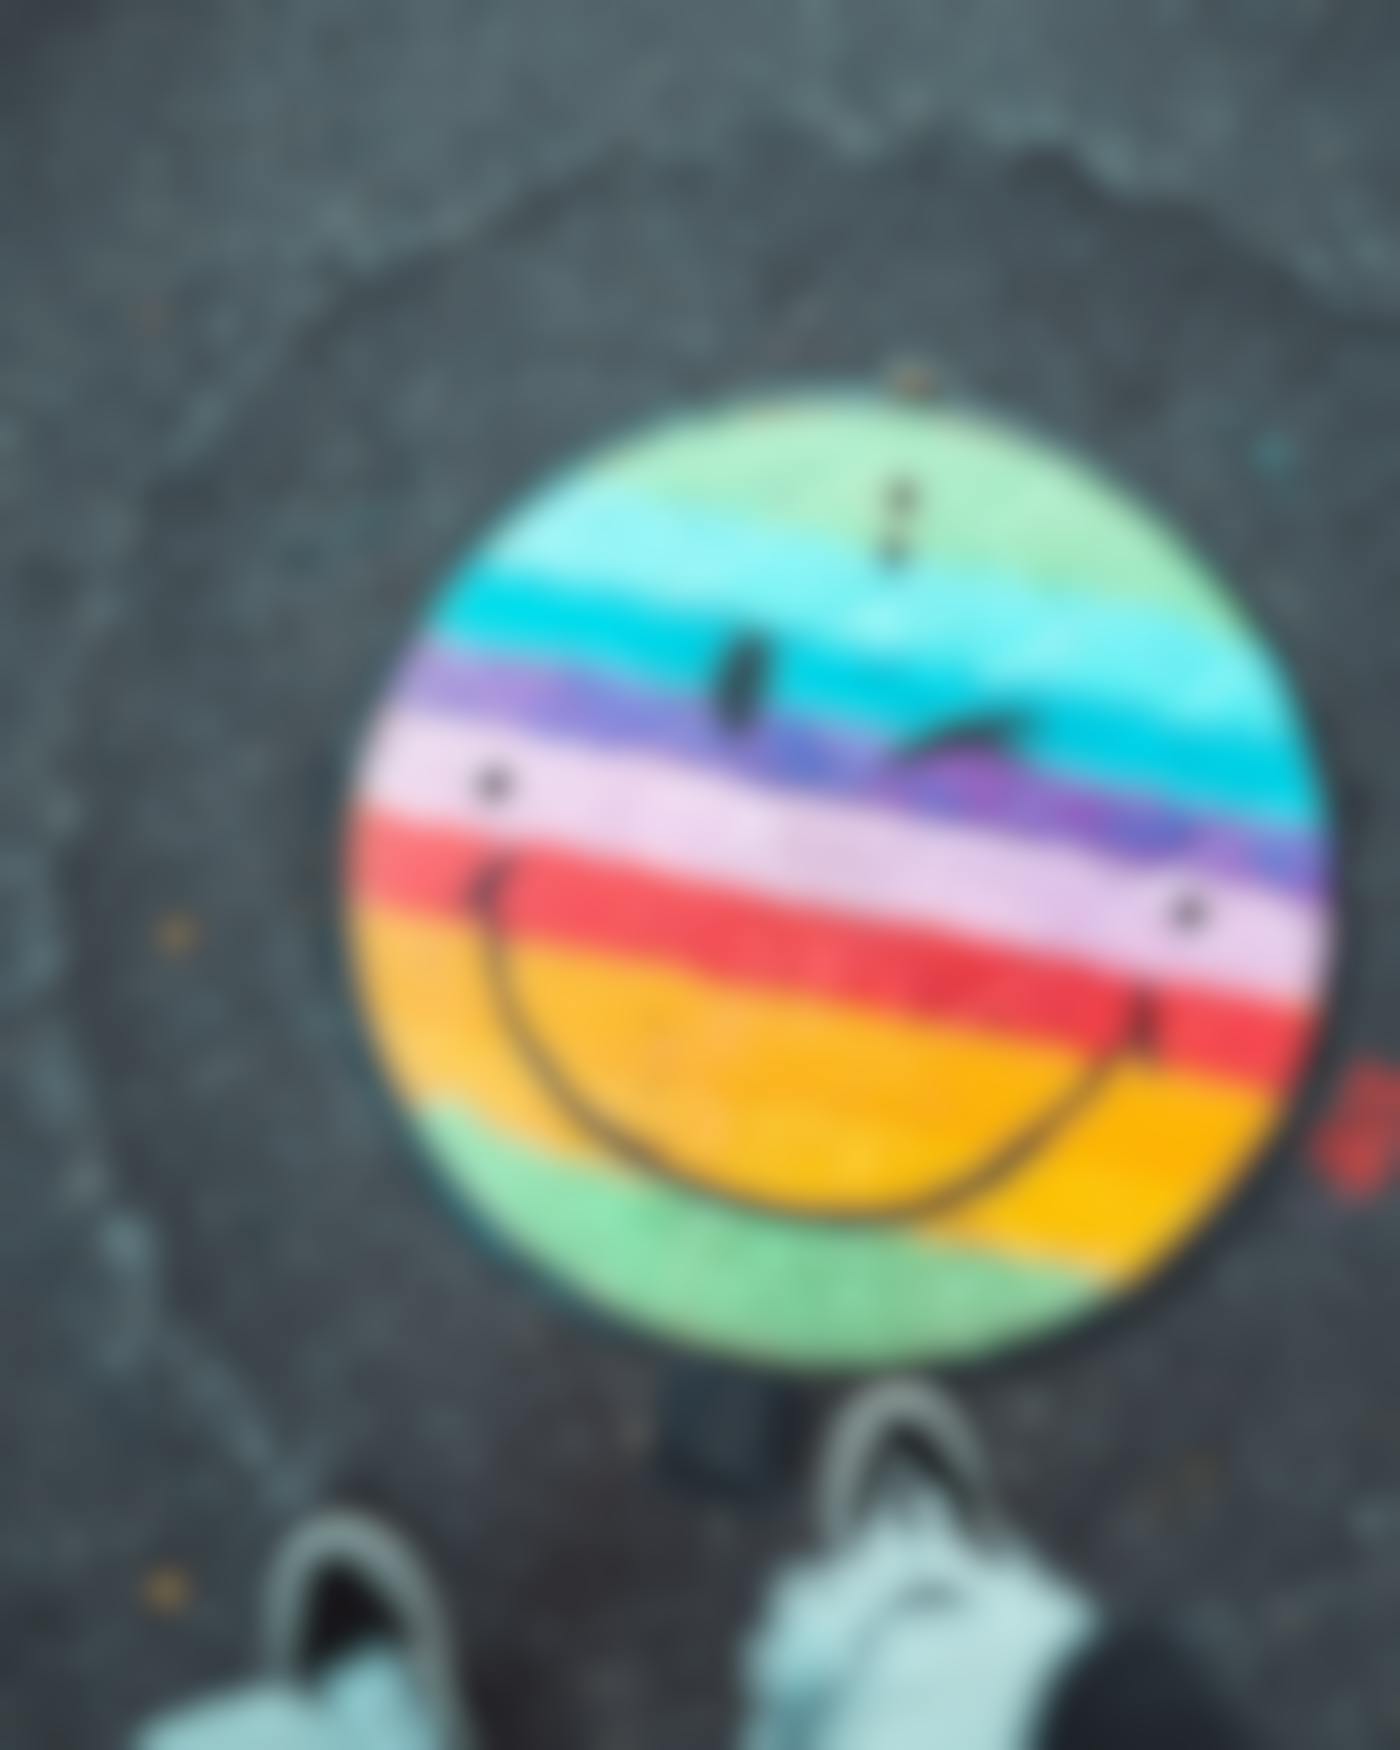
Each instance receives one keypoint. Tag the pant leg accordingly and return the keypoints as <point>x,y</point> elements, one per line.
<point>255,1716</point>
<point>368,1702</point>
<point>1136,1686</point>
<point>914,1635</point>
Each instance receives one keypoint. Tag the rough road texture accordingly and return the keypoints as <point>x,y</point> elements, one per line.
<point>295,295</point>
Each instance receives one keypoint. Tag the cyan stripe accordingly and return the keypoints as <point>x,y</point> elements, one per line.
<point>1161,737</point>
<point>581,536</point>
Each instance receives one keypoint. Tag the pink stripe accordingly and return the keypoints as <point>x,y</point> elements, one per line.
<point>1052,899</point>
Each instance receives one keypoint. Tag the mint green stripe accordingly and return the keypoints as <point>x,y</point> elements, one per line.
<point>587,535</point>
<point>724,1280</point>
<point>998,498</point>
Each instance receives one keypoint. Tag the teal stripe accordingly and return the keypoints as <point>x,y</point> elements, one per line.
<point>674,555</point>
<point>1164,737</point>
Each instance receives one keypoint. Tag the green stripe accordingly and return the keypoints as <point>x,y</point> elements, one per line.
<point>705,1274</point>
<point>992,496</point>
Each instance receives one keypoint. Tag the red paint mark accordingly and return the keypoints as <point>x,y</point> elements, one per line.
<point>1357,1146</point>
<point>567,897</point>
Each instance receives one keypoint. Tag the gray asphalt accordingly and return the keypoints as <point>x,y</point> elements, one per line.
<point>295,295</point>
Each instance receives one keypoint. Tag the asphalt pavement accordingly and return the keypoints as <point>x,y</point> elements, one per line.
<point>295,295</point>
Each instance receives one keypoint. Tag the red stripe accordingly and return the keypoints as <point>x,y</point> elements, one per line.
<point>566,898</point>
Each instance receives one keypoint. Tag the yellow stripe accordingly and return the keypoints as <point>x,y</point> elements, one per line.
<point>767,1095</point>
<point>1127,1184</point>
<point>805,1102</point>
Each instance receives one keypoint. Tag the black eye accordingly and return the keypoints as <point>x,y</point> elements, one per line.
<point>1189,912</point>
<point>997,732</point>
<point>741,680</point>
<point>493,783</point>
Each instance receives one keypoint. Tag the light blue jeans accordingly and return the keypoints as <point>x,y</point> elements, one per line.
<point>907,1622</point>
<point>369,1702</point>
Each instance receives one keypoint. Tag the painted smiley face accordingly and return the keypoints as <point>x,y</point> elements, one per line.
<point>838,883</point>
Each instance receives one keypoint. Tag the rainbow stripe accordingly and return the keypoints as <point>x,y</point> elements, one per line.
<point>571,900</point>
<point>845,858</point>
<point>1118,717</point>
<point>1011,796</point>
<point>825,979</point>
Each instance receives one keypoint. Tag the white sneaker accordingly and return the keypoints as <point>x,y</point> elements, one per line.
<point>925,1620</point>
<point>352,1611</point>
<point>892,1443</point>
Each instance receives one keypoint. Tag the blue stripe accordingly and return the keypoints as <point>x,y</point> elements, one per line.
<point>987,790</point>
<point>1167,737</point>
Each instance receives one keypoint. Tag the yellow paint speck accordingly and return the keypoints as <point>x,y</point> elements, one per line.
<point>176,934</point>
<point>167,1590</point>
<point>911,379</point>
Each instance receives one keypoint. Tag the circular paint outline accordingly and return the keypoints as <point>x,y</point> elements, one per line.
<point>768,1348</point>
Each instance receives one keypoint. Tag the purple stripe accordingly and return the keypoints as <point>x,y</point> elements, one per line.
<point>984,789</point>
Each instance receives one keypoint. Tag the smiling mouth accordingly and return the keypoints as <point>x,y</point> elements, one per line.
<point>995,1170</point>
